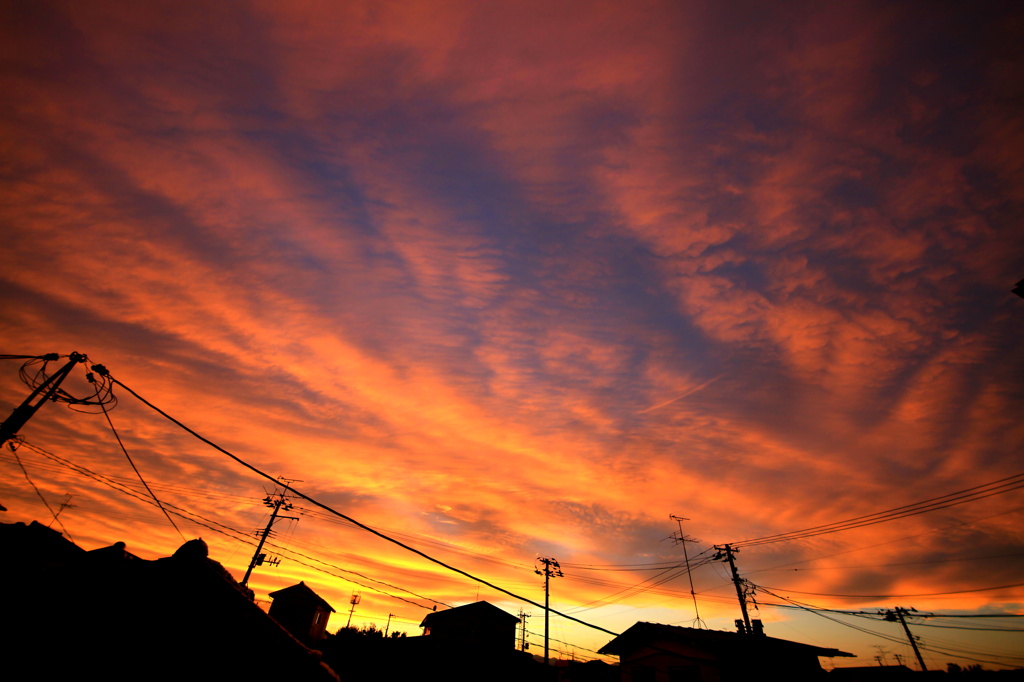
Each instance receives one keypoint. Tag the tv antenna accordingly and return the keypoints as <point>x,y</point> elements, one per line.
<point>680,539</point>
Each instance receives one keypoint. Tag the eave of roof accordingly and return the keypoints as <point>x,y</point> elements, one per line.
<point>647,633</point>
<point>305,590</point>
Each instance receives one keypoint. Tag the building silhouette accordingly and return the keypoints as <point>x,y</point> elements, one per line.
<point>479,625</point>
<point>106,614</point>
<point>302,612</point>
<point>652,652</point>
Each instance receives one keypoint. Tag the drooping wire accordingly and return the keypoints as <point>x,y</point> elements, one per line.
<point>643,586</point>
<point>422,539</point>
<point>894,596</point>
<point>967,629</point>
<point>337,513</point>
<point>653,566</point>
<point>220,528</point>
<point>979,492</point>
<point>102,396</point>
<point>14,451</point>
<point>956,653</point>
<point>138,473</point>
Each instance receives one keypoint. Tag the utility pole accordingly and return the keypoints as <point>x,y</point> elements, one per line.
<point>898,614</point>
<point>48,389</point>
<point>726,552</point>
<point>681,539</point>
<point>277,502</point>
<point>523,615</point>
<point>353,601</point>
<point>551,570</point>
<point>388,626</point>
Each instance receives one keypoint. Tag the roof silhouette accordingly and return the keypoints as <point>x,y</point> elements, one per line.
<point>301,591</point>
<point>714,641</point>
<point>477,611</point>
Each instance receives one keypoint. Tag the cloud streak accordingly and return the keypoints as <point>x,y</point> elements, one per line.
<point>515,280</point>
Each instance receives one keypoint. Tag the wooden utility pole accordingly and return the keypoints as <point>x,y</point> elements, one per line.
<point>726,552</point>
<point>523,615</point>
<point>48,389</point>
<point>353,601</point>
<point>551,570</point>
<point>277,502</point>
<point>898,614</point>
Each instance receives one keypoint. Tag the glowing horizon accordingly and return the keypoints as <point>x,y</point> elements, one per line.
<point>515,280</point>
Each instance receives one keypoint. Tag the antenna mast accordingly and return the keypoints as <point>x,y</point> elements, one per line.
<point>680,539</point>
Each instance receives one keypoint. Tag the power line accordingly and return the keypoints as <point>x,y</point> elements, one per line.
<point>238,535</point>
<point>103,371</point>
<point>894,596</point>
<point>955,627</point>
<point>24,471</point>
<point>897,563</point>
<point>639,588</point>
<point>138,473</point>
<point>979,492</point>
<point>235,534</point>
<point>654,566</point>
<point>957,653</point>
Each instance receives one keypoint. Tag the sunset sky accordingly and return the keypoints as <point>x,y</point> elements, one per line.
<point>518,279</point>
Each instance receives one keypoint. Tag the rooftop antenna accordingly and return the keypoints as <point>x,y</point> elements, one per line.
<point>680,539</point>
<point>66,504</point>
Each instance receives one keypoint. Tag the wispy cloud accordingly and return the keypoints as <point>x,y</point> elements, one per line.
<point>515,278</point>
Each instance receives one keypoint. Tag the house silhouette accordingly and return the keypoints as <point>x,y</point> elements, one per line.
<point>107,614</point>
<point>463,644</point>
<point>480,625</point>
<point>652,652</point>
<point>302,612</point>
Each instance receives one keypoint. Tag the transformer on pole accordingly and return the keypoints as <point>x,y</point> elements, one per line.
<point>276,502</point>
<point>551,570</point>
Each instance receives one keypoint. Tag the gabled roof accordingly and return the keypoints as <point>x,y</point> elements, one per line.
<point>480,610</point>
<point>301,592</point>
<point>714,641</point>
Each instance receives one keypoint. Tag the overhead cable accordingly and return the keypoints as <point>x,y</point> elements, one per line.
<point>331,510</point>
<point>893,596</point>
<point>999,487</point>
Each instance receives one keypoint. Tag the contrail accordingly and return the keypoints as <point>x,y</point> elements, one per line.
<point>681,395</point>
